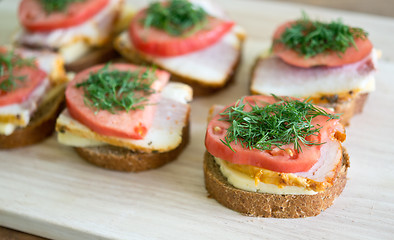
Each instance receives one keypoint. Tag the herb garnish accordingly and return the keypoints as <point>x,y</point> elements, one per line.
<point>57,5</point>
<point>309,38</point>
<point>175,17</point>
<point>284,122</point>
<point>8,61</point>
<point>115,90</point>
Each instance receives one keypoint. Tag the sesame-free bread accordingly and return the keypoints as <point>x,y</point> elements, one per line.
<point>123,159</point>
<point>270,205</point>
<point>41,125</point>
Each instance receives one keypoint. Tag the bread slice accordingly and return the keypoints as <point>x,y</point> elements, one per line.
<point>270,205</point>
<point>359,78</point>
<point>41,125</point>
<point>123,159</point>
<point>203,84</point>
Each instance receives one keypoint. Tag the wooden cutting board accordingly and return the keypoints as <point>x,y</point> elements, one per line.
<point>47,190</point>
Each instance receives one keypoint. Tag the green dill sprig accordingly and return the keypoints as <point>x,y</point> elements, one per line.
<point>175,17</point>
<point>285,122</point>
<point>115,90</point>
<point>8,61</point>
<point>57,5</point>
<point>309,38</point>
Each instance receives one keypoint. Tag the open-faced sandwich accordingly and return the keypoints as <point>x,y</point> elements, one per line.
<point>31,95</point>
<point>193,40</point>
<point>274,157</point>
<point>331,63</point>
<point>80,30</point>
<point>124,117</point>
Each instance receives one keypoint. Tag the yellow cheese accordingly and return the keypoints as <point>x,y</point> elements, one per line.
<point>7,128</point>
<point>69,139</point>
<point>245,182</point>
<point>73,51</point>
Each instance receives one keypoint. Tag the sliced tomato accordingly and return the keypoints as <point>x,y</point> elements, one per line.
<point>329,59</point>
<point>274,159</point>
<point>34,18</point>
<point>133,124</point>
<point>159,43</point>
<point>32,78</point>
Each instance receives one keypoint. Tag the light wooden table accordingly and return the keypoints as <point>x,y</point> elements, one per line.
<point>53,193</point>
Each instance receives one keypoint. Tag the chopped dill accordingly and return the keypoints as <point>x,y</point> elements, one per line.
<point>284,122</point>
<point>309,38</point>
<point>115,90</point>
<point>8,62</point>
<point>175,17</point>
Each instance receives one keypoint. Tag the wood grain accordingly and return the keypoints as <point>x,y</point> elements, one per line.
<point>47,190</point>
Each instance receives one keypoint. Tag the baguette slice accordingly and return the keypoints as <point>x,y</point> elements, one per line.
<point>206,71</point>
<point>41,125</point>
<point>270,205</point>
<point>344,89</point>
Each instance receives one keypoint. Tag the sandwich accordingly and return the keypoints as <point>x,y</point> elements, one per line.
<point>269,156</point>
<point>125,117</point>
<point>31,95</point>
<point>81,31</point>
<point>193,40</point>
<point>331,63</point>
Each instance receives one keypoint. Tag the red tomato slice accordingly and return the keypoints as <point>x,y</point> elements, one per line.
<point>34,18</point>
<point>33,77</point>
<point>133,124</point>
<point>275,159</point>
<point>329,59</point>
<point>158,42</point>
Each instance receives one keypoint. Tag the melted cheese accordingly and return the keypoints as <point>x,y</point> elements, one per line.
<point>165,133</point>
<point>245,182</point>
<point>273,76</point>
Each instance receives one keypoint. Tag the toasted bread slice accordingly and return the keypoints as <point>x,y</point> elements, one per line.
<point>206,71</point>
<point>41,125</point>
<point>343,89</point>
<point>270,205</point>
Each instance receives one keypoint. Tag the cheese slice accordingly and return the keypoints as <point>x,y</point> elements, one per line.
<point>164,135</point>
<point>242,181</point>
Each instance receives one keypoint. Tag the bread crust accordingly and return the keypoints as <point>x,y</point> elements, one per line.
<point>41,125</point>
<point>122,159</point>
<point>353,106</point>
<point>270,205</point>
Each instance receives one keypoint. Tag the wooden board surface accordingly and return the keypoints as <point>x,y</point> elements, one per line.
<point>49,191</point>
